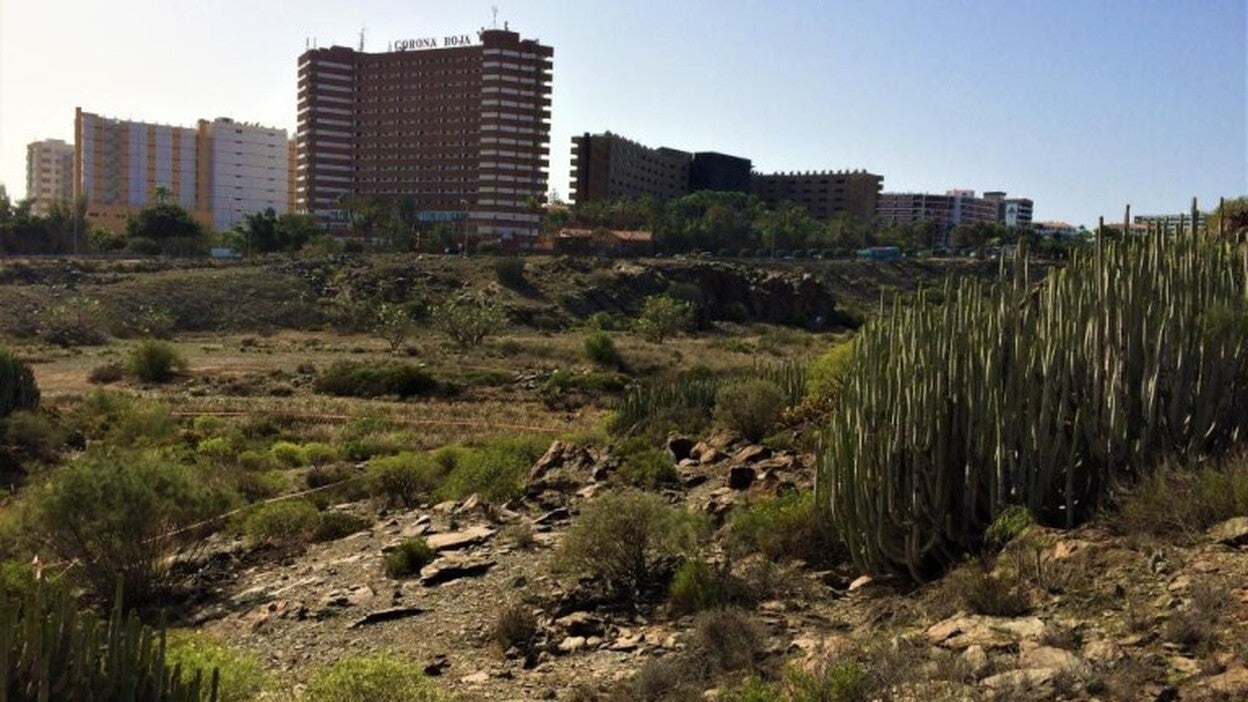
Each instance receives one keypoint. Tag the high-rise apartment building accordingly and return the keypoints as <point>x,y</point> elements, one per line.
<point>457,126</point>
<point>608,166</point>
<point>49,174</point>
<point>219,171</point>
<point>1011,211</point>
<point>248,170</point>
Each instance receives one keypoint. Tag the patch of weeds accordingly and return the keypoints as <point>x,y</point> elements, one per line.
<point>408,558</point>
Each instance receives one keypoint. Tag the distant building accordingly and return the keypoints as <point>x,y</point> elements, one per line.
<point>49,174</point>
<point>608,166</point>
<point>824,194</point>
<point>954,208</point>
<point>248,170</point>
<point>219,171</point>
<point>720,172</point>
<point>1170,223</point>
<point>1011,211</point>
<point>460,125</point>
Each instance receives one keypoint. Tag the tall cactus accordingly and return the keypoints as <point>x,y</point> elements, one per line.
<point>52,650</point>
<point>1014,394</point>
<point>18,390</point>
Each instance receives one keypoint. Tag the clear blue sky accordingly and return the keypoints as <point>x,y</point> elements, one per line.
<point>1082,105</point>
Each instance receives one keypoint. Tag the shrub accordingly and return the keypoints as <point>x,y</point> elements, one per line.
<point>515,627</point>
<point>334,524</point>
<point>1176,502</point>
<point>629,541</point>
<point>403,480</point>
<point>1007,526</point>
<point>287,454</point>
<point>18,390</point>
<point>646,466</point>
<point>827,372</point>
<point>977,589</point>
<point>510,272</point>
<point>837,681</point>
<point>121,515</point>
<point>697,586</point>
<point>242,676</point>
<point>600,349</point>
<point>408,558</point>
<point>662,316</point>
<point>378,678</point>
<point>33,434</point>
<point>394,324</point>
<point>726,640</point>
<point>346,379</point>
<point>318,454</point>
<point>217,449</point>
<point>285,523</point>
<point>17,579</point>
<point>495,471</point>
<point>784,528</point>
<point>106,373</point>
<point>154,361</point>
<point>77,321</point>
<point>751,407</point>
<point>468,322</point>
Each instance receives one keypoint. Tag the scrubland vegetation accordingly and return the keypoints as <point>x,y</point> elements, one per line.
<point>943,434</point>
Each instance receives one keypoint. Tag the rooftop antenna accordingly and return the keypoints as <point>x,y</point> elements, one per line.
<point>362,31</point>
<point>494,12</point>
<point>307,43</point>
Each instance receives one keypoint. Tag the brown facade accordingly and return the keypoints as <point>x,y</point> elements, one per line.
<point>824,194</point>
<point>456,132</point>
<point>608,166</point>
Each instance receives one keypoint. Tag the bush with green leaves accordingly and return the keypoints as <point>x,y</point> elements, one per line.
<point>495,470</point>
<point>751,407</point>
<point>18,390</point>
<point>287,454</point>
<point>155,361</point>
<point>242,676</point>
<point>404,480</point>
<point>600,349</point>
<point>827,373</point>
<point>335,524</point>
<point>630,541</point>
<point>509,270</point>
<point>121,515</point>
<point>697,585</point>
<point>379,678</point>
<point>786,527</point>
<point>34,435</point>
<point>468,321</point>
<point>408,558</point>
<point>644,465</point>
<point>662,317</point>
<point>394,324</point>
<point>75,321</point>
<point>285,523</point>
<point>402,380</point>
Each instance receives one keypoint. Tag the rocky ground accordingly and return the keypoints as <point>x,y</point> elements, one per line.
<point>1103,616</point>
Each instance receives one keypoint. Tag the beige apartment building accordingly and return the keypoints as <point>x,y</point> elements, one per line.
<point>49,174</point>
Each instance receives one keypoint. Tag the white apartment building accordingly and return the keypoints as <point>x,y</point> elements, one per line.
<point>248,169</point>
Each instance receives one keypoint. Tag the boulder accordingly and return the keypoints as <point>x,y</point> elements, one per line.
<point>564,467</point>
<point>741,477</point>
<point>963,630</point>
<point>752,454</point>
<point>455,540</point>
<point>445,570</point>
<point>680,447</point>
<point>1233,532</point>
<point>581,624</point>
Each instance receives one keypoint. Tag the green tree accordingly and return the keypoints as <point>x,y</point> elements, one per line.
<point>663,316</point>
<point>170,227</point>
<point>394,324</point>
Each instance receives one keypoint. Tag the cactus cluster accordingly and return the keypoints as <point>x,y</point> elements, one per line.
<point>18,390</point>
<point>1033,394</point>
<point>50,649</point>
